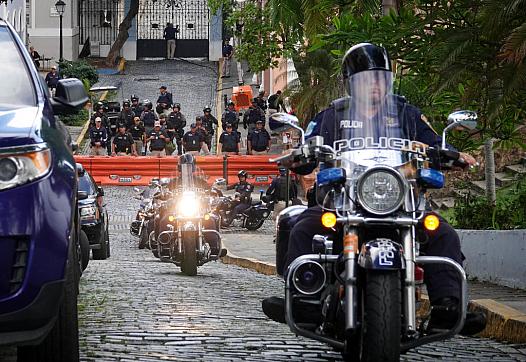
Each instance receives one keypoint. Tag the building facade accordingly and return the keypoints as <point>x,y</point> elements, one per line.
<point>14,11</point>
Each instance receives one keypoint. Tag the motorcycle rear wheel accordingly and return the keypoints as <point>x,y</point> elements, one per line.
<point>253,224</point>
<point>189,264</point>
<point>380,335</point>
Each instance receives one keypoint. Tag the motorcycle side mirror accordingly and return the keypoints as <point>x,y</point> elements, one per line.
<point>460,120</point>
<point>137,190</point>
<point>321,244</point>
<point>280,122</point>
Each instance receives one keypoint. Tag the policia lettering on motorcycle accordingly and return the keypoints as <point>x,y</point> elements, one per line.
<point>244,189</point>
<point>372,107</point>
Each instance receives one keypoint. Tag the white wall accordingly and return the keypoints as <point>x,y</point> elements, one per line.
<point>15,13</point>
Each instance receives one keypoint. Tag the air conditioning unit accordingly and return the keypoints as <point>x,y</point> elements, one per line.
<point>95,48</point>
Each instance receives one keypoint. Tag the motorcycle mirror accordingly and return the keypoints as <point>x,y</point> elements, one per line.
<point>280,122</point>
<point>459,119</point>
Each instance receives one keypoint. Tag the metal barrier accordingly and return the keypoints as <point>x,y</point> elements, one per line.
<point>139,171</point>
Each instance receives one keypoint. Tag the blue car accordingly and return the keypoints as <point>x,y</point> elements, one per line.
<point>39,228</point>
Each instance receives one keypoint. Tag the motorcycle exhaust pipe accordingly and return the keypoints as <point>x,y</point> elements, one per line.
<point>309,277</point>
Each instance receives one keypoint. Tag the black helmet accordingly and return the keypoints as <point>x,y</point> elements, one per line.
<point>282,171</point>
<point>148,104</point>
<point>177,105</point>
<point>231,103</point>
<point>99,105</point>
<point>362,57</point>
<point>207,109</point>
<point>134,98</point>
<point>126,103</point>
<point>242,173</point>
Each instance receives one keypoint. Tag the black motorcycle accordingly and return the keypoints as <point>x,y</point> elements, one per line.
<point>251,218</point>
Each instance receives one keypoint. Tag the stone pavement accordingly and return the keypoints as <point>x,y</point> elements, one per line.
<point>132,307</point>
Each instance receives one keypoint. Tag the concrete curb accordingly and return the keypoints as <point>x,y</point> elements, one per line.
<point>82,134</point>
<point>504,323</point>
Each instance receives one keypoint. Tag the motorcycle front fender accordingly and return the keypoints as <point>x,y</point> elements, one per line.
<point>381,254</point>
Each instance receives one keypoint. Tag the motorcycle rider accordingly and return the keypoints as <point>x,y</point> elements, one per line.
<point>366,70</point>
<point>244,189</point>
<point>126,115</point>
<point>230,116</point>
<point>178,122</point>
<point>208,122</point>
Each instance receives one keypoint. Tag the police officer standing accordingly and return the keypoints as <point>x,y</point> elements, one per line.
<point>123,143</point>
<point>165,101</point>
<point>126,115</point>
<point>230,116</point>
<point>258,141</point>
<point>148,117</point>
<point>157,139</point>
<point>203,132</point>
<point>99,113</point>
<point>137,132</point>
<point>228,141</point>
<point>253,115</point>
<point>208,122</point>
<point>136,107</point>
<point>98,138</point>
<point>261,101</point>
<point>178,122</point>
<point>193,141</point>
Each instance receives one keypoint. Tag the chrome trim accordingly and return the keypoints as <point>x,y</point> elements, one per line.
<point>409,279</point>
<point>355,220</point>
<point>303,262</point>
<point>16,150</point>
<point>288,301</point>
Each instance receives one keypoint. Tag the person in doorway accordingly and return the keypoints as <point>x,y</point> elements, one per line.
<point>137,133</point>
<point>228,52</point>
<point>157,139</point>
<point>98,138</point>
<point>123,143</point>
<point>35,56</point>
<point>258,141</point>
<point>229,142</point>
<point>52,79</point>
<point>170,34</point>
<point>193,141</point>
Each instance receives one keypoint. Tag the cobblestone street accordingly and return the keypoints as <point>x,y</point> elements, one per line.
<point>134,307</point>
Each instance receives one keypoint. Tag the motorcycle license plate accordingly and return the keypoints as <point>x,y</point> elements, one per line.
<point>125,179</point>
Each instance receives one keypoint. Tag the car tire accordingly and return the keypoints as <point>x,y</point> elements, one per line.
<point>84,249</point>
<point>102,253</point>
<point>62,342</point>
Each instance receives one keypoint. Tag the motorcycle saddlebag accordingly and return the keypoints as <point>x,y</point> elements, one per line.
<point>285,221</point>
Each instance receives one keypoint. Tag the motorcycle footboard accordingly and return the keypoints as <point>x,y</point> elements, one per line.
<point>289,288</point>
<point>440,336</point>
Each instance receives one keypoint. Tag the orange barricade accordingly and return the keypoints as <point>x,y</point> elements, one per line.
<point>242,97</point>
<point>139,171</point>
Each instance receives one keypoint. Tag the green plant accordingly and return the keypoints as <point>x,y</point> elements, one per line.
<point>77,119</point>
<point>79,69</point>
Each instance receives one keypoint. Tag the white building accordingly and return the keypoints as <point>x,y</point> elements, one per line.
<point>14,11</point>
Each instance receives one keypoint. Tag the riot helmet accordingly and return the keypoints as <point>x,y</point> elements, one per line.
<point>134,98</point>
<point>242,173</point>
<point>177,105</point>
<point>207,110</point>
<point>148,104</point>
<point>126,103</point>
<point>282,171</point>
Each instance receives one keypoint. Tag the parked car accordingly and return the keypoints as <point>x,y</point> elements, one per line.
<point>93,217</point>
<point>39,221</point>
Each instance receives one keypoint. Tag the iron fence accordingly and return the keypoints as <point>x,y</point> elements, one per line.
<point>99,20</point>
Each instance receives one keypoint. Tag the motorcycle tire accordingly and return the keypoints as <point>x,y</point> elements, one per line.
<point>143,238</point>
<point>253,224</point>
<point>84,249</point>
<point>382,304</point>
<point>189,264</point>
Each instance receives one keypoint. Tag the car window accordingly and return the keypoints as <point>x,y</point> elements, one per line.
<point>16,87</point>
<point>85,184</point>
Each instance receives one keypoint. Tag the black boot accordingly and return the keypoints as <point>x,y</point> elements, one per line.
<point>444,314</point>
<point>303,312</point>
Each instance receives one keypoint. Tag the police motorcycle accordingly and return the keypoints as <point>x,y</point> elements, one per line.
<point>142,226</point>
<point>252,218</point>
<point>366,279</point>
<point>188,233</point>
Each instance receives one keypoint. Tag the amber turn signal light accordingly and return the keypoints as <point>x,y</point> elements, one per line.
<point>328,219</point>
<point>431,222</point>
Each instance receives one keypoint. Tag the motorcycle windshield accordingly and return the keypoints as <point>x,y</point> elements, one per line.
<point>187,176</point>
<point>369,129</point>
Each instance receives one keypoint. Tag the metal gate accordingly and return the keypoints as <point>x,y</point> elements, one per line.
<point>192,16</point>
<point>99,22</point>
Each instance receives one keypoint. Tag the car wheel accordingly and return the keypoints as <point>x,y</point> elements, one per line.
<point>62,342</point>
<point>102,253</point>
<point>84,249</point>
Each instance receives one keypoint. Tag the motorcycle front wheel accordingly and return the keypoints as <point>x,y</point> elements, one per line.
<point>189,264</point>
<point>382,304</point>
<point>253,223</point>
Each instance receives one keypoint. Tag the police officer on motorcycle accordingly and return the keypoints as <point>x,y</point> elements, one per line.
<point>244,189</point>
<point>277,190</point>
<point>178,122</point>
<point>371,92</point>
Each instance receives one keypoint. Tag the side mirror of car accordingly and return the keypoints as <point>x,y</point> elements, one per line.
<point>70,97</point>
<point>100,191</point>
<point>82,195</point>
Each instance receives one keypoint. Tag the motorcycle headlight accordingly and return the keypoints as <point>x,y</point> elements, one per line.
<point>88,213</point>
<point>23,167</point>
<point>188,205</point>
<point>381,191</point>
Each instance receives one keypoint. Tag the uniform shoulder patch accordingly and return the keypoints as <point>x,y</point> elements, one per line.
<point>426,121</point>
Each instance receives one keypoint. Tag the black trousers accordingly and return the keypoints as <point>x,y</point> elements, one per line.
<point>441,281</point>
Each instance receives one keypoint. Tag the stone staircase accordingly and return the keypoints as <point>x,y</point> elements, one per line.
<point>502,179</point>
